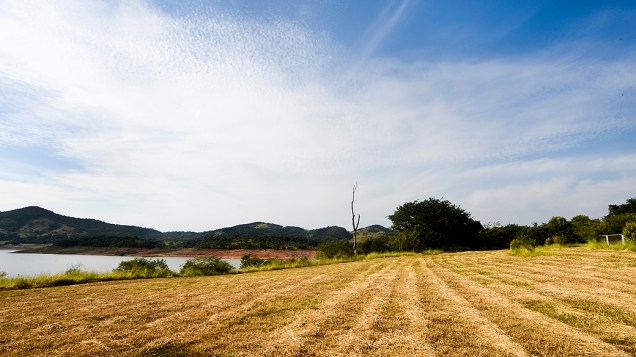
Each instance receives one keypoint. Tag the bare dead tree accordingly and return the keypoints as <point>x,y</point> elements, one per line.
<point>354,222</point>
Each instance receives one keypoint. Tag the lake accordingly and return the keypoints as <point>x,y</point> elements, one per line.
<point>27,264</point>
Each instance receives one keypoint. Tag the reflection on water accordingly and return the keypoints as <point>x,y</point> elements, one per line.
<point>26,264</point>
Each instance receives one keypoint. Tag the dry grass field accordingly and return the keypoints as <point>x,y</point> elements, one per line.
<point>574,302</point>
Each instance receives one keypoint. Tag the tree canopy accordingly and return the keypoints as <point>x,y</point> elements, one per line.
<point>437,223</point>
<point>628,207</point>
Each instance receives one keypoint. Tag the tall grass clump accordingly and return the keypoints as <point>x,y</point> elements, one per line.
<point>277,264</point>
<point>144,268</point>
<point>205,266</point>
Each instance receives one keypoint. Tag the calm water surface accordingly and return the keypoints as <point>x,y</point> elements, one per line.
<point>26,264</point>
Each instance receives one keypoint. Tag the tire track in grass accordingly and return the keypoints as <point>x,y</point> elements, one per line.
<point>588,267</point>
<point>457,327</point>
<point>408,335</point>
<point>606,316</point>
<point>272,303</point>
<point>127,307</point>
<point>615,289</point>
<point>334,315</point>
<point>581,307</point>
<point>391,323</point>
<point>130,308</point>
<point>559,283</point>
<point>361,338</point>
<point>561,287</point>
<point>175,316</point>
<point>537,333</point>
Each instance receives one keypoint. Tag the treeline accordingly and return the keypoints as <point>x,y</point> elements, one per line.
<point>559,230</point>
<point>439,224</point>
<point>238,242</point>
<point>111,242</point>
<point>208,242</point>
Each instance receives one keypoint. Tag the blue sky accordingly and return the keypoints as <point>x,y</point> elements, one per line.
<point>197,115</point>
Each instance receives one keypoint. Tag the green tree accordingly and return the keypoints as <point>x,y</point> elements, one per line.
<point>614,223</point>
<point>437,223</point>
<point>498,237</point>
<point>585,229</point>
<point>560,230</point>
<point>628,207</point>
<point>629,232</point>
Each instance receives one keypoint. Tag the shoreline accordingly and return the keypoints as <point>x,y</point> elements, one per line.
<point>153,252</point>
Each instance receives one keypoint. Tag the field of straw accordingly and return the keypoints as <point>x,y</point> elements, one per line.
<point>573,302</point>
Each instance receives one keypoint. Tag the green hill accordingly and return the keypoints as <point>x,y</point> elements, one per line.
<point>38,225</point>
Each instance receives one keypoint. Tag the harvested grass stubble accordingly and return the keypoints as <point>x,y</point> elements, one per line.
<point>465,304</point>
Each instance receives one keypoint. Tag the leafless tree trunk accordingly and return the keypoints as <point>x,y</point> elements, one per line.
<point>354,222</point>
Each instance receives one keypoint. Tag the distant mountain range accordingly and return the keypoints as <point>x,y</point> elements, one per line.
<point>38,225</point>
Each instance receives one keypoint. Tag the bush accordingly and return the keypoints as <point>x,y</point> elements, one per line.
<point>373,244</point>
<point>629,232</point>
<point>142,267</point>
<point>558,239</point>
<point>205,266</point>
<point>249,261</point>
<point>275,264</point>
<point>335,249</point>
<point>522,244</point>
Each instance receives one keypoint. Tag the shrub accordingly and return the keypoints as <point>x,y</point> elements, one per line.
<point>629,232</point>
<point>205,266</point>
<point>335,249</point>
<point>249,261</point>
<point>522,244</point>
<point>142,267</point>
<point>373,244</point>
<point>558,239</point>
<point>275,264</point>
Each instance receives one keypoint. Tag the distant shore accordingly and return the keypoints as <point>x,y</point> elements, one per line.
<point>154,252</point>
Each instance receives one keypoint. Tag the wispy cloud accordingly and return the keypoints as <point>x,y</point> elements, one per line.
<point>384,24</point>
<point>190,122</point>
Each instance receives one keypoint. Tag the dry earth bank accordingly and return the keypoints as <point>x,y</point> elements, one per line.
<point>576,302</point>
<point>185,252</point>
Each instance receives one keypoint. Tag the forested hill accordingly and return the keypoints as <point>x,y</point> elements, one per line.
<point>38,225</point>
<point>261,229</point>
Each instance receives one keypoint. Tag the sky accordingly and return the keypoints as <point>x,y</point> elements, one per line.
<point>197,115</point>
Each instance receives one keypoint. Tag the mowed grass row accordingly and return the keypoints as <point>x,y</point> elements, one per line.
<point>573,302</point>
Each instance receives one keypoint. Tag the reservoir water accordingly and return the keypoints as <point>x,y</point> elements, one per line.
<point>27,264</point>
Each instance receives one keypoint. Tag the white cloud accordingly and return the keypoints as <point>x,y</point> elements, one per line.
<point>201,122</point>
